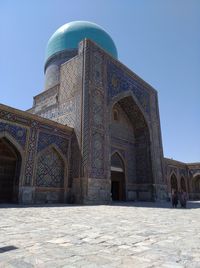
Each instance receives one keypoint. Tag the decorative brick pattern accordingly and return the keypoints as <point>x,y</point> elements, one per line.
<point>70,94</point>
<point>97,155</point>
<point>46,139</point>
<point>95,132</point>
<point>31,153</point>
<point>120,81</point>
<point>17,132</point>
<point>50,169</point>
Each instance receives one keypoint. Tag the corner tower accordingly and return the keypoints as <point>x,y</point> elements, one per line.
<point>116,147</point>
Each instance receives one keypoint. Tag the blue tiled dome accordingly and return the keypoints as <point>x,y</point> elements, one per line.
<point>69,35</point>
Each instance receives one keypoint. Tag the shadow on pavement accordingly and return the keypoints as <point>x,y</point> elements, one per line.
<point>164,204</point>
<point>7,248</point>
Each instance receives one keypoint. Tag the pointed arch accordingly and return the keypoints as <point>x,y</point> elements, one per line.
<point>14,142</point>
<point>173,182</point>
<point>117,161</point>
<point>196,183</point>
<point>139,136</point>
<point>51,169</point>
<point>12,163</point>
<point>126,94</point>
<point>196,174</point>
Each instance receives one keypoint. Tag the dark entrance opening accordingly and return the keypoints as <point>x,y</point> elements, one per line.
<point>118,187</point>
<point>174,184</point>
<point>10,164</point>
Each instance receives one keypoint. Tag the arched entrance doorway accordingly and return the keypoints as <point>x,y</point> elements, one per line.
<point>130,133</point>
<point>10,165</point>
<point>118,187</point>
<point>174,184</point>
<point>196,187</point>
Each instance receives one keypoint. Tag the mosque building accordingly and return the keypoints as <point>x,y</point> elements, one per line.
<point>93,134</point>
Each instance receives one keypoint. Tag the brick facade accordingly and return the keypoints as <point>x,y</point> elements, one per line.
<point>66,140</point>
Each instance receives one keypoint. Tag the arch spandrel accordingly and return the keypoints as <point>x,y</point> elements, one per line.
<point>13,141</point>
<point>120,81</point>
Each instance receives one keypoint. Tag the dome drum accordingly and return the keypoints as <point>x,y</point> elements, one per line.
<point>61,57</point>
<point>52,66</point>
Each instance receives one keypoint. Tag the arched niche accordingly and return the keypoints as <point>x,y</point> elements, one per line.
<point>10,169</point>
<point>137,134</point>
<point>173,182</point>
<point>51,168</point>
<point>196,184</point>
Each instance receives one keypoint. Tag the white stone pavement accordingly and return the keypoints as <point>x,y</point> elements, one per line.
<point>120,235</point>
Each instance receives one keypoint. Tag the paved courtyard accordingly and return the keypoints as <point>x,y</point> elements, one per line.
<point>119,235</point>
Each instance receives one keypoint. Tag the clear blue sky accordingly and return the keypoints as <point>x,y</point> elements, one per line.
<point>159,40</point>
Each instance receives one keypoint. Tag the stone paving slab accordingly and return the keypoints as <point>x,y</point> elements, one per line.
<point>119,235</point>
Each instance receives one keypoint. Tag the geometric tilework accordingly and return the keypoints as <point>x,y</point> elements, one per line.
<point>194,171</point>
<point>183,172</point>
<point>50,169</point>
<point>18,133</point>
<point>46,139</point>
<point>30,159</point>
<point>97,155</point>
<point>139,155</point>
<point>119,81</point>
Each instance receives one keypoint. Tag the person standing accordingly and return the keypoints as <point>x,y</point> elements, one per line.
<point>183,199</point>
<point>174,198</point>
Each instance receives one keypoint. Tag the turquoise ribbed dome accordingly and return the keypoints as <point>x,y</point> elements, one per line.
<point>69,35</point>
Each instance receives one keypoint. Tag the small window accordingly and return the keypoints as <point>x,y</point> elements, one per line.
<point>116,115</point>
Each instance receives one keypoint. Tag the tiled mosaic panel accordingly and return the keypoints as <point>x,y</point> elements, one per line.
<point>142,140</point>
<point>183,172</point>
<point>70,94</point>
<point>122,140</point>
<point>86,113</point>
<point>46,104</point>
<point>17,132</point>
<point>31,152</point>
<point>120,81</point>
<point>97,125</point>
<point>14,118</point>
<point>75,161</point>
<point>143,156</point>
<point>97,155</point>
<point>46,139</point>
<point>50,169</point>
<point>131,133</point>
